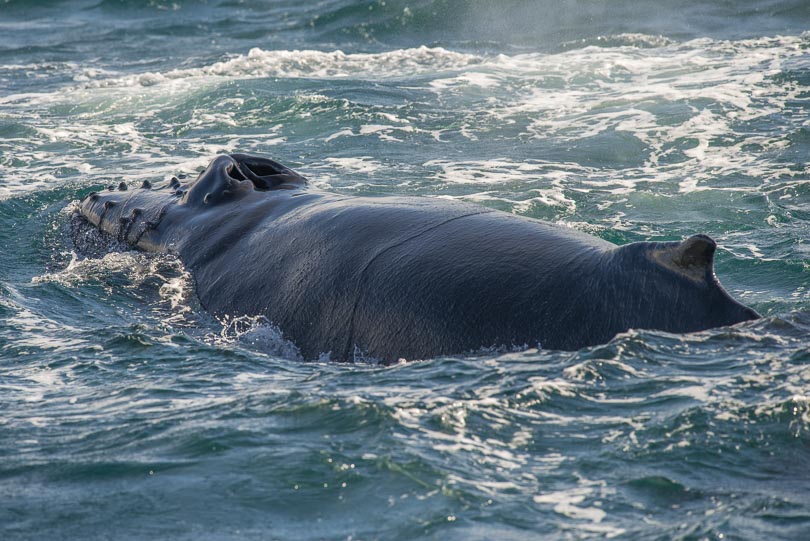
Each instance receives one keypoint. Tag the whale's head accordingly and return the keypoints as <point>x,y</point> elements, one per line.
<point>132,214</point>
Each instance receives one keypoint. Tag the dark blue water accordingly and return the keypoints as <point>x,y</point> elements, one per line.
<point>126,412</point>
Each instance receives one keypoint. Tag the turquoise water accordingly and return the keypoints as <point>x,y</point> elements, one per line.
<point>126,412</point>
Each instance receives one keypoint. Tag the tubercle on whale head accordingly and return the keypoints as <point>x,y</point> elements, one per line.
<point>126,214</point>
<point>129,213</point>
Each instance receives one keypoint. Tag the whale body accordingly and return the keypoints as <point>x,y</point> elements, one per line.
<point>407,277</point>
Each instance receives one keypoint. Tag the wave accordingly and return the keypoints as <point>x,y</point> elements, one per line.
<point>312,64</point>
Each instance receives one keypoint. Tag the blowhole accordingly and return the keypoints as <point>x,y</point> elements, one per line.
<point>235,173</point>
<point>262,169</point>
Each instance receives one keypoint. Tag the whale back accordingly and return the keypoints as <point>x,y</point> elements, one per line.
<point>408,277</point>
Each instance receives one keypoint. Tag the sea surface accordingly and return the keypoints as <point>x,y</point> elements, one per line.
<point>127,412</point>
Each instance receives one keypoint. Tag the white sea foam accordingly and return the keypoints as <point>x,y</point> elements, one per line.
<point>582,503</point>
<point>257,333</point>
<point>719,85</point>
<point>482,80</point>
<point>361,164</point>
<point>542,183</point>
<point>259,63</point>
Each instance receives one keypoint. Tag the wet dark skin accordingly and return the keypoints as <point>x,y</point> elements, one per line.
<point>407,277</point>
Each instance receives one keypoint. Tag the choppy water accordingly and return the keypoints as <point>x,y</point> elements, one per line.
<point>127,413</point>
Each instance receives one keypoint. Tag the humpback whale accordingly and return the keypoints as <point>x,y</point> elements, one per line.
<point>394,277</point>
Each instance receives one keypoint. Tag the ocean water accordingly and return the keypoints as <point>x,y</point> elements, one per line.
<point>126,412</point>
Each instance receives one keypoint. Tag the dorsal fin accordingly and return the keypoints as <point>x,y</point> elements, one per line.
<point>696,251</point>
<point>692,258</point>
